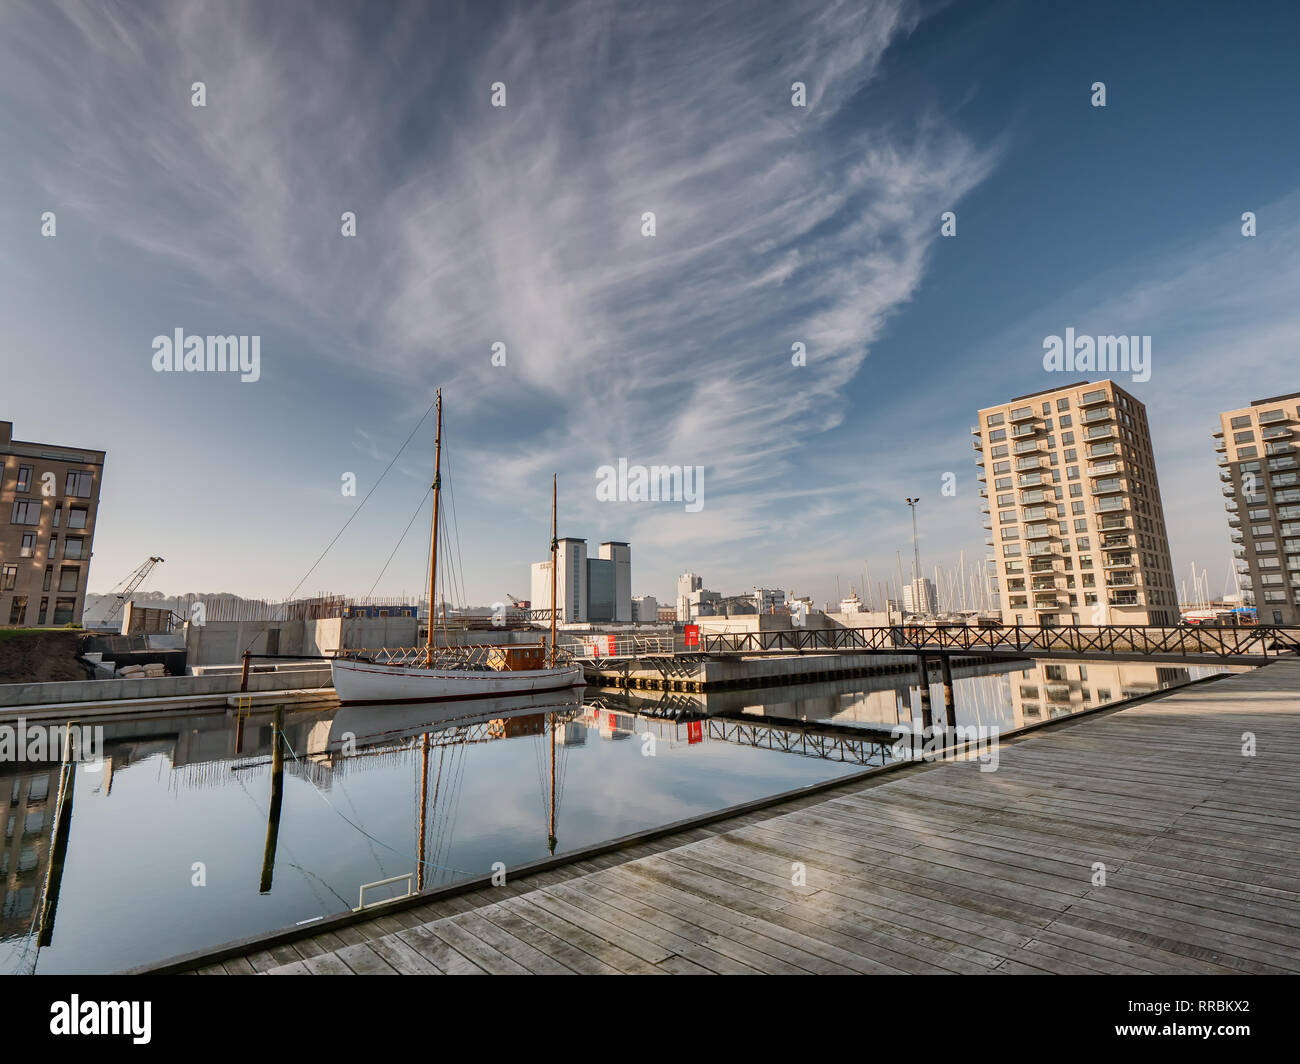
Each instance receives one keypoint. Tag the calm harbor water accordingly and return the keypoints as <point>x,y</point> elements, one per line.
<point>174,844</point>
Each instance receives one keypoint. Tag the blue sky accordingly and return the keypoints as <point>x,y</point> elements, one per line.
<point>522,224</point>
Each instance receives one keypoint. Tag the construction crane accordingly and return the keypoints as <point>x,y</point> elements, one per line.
<point>136,578</point>
<point>521,604</point>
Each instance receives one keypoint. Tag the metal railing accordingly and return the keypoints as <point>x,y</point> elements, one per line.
<point>597,647</point>
<point>1247,642</point>
<point>477,657</point>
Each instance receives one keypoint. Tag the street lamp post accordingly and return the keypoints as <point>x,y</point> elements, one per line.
<point>916,559</point>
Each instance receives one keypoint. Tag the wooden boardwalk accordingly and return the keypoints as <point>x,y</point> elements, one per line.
<point>936,868</point>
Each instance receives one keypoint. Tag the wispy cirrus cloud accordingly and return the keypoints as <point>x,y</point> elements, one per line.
<point>522,224</point>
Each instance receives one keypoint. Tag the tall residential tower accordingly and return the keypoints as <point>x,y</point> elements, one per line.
<point>1261,479</point>
<point>1073,509</point>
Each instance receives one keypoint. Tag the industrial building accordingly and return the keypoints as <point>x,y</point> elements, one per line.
<point>49,498</point>
<point>1073,510</point>
<point>587,590</point>
<point>1261,483</point>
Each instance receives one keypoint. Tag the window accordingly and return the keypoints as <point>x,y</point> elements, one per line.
<point>1243,437</point>
<point>41,617</point>
<point>17,609</point>
<point>77,517</point>
<point>1063,404</point>
<point>26,512</point>
<point>997,435</point>
<point>8,577</point>
<point>995,419</point>
<point>68,575</point>
<point>73,548</point>
<point>49,578</point>
<point>1241,422</point>
<point>29,545</point>
<point>24,478</point>
<point>58,513</point>
<point>64,609</point>
<point>80,485</point>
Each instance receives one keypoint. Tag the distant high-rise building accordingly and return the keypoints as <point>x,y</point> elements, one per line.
<point>570,583</point>
<point>919,596</point>
<point>620,557</point>
<point>686,583</point>
<point>597,590</point>
<point>645,609</point>
<point>1073,509</point>
<point>49,499</point>
<point>1261,479</point>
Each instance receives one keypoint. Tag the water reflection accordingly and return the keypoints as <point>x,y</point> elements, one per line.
<point>206,827</point>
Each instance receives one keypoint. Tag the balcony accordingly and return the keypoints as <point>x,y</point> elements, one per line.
<point>1026,447</point>
<point>1118,561</point>
<point>1109,542</point>
<point>1234,521</point>
<point>1101,450</point>
<point>1109,486</point>
<point>979,443</point>
<point>1123,598</point>
<point>1277,432</point>
<point>1100,432</point>
<point>1228,489</point>
<point>1025,429</point>
<point>1122,580</point>
<point>1101,469</point>
<point>1043,565</point>
<point>1041,531</point>
<point>1023,413</point>
<point>1109,506</point>
<point>1272,417</point>
<point>1115,521</point>
<point>1096,414</point>
<point>1282,447</point>
<point>1090,398</point>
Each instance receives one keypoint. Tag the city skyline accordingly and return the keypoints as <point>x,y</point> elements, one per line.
<point>522,225</point>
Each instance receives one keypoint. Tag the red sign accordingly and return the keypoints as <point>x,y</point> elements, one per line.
<point>692,635</point>
<point>695,731</point>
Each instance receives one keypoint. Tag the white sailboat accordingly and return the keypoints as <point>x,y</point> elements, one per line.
<point>429,673</point>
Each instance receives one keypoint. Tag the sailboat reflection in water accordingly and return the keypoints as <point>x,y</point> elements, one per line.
<point>432,673</point>
<point>459,725</point>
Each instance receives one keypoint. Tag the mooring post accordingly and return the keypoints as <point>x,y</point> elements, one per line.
<point>243,679</point>
<point>923,681</point>
<point>949,702</point>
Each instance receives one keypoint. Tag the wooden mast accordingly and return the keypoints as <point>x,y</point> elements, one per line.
<point>433,550</point>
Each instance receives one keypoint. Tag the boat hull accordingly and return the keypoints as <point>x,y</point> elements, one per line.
<point>366,682</point>
<point>358,726</point>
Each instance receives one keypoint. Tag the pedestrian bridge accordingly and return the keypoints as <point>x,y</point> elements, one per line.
<point>1189,643</point>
